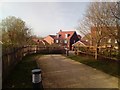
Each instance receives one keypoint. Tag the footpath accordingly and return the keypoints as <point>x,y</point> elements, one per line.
<point>61,72</point>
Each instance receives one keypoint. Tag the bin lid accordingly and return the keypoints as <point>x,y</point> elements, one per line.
<point>36,71</point>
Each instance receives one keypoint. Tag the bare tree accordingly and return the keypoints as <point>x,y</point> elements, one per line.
<point>104,16</point>
<point>114,12</point>
<point>109,16</point>
<point>92,22</point>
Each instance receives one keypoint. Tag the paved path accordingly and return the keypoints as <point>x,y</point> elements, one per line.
<point>61,72</point>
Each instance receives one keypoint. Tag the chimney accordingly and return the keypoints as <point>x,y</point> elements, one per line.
<point>60,30</point>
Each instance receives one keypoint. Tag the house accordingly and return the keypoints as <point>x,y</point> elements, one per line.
<point>103,35</point>
<point>63,38</point>
<point>40,42</point>
<point>80,43</point>
<point>107,38</point>
<point>50,39</point>
<point>77,44</point>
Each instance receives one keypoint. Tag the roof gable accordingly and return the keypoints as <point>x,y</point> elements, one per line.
<point>79,43</point>
<point>50,36</point>
<point>63,33</point>
<point>53,36</point>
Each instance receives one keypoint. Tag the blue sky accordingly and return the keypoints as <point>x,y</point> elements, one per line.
<point>46,17</point>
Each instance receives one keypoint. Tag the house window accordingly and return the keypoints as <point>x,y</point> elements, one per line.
<point>65,41</point>
<point>66,35</point>
<point>60,41</point>
<point>100,32</point>
<point>74,41</point>
<point>115,41</point>
<point>116,32</point>
<point>57,41</point>
<point>57,35</point>
<point>109,41</point>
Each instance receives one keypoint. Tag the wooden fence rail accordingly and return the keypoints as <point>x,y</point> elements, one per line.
<point>11,56</point>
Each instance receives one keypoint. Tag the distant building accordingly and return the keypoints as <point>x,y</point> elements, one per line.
<point>63,38</point>
<point>79,43</point>
<point>50,39</point>
<point>107,39</point>
<point>41,42</point>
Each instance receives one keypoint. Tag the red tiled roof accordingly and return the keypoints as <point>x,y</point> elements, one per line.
<point>53,36</point>
<point>38,41</point>
<point>62,34</point>
<point>43,41</point>
<point>35,39</point>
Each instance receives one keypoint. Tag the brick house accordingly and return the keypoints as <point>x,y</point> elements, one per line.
<point>106,37</point>
<point>63,38</point>
<point>50,39</point>
<point>40,42</point>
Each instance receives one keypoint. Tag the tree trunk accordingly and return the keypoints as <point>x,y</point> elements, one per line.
<point>96,52</point>
<point>118,40</point>
<point>118,56</point>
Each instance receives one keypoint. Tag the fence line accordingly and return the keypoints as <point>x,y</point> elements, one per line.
<point>86,52</point>
<point>107,52</point>
<point>11,56</point>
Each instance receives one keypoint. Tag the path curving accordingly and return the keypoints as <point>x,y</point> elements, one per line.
<point>61,72</point>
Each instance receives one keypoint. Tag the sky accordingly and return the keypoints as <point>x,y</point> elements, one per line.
<point>46,18</point>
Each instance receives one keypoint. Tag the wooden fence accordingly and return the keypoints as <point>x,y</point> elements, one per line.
<point>100,57</point>
<point>11,56</point>
<point>106,52</point>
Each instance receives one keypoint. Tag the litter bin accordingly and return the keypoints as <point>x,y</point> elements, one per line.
<point>36,78</point>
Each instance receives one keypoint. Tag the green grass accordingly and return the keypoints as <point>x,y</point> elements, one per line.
<point>105,66</point>
<point>21,76</point>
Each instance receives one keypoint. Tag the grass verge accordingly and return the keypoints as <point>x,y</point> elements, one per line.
<point>21,75</point>
<point>105,66</point>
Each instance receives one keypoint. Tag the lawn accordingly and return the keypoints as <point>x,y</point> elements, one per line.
<point>105,66</point>
<point>21,75</point>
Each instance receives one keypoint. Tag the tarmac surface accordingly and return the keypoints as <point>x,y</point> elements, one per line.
<point>61,72</point>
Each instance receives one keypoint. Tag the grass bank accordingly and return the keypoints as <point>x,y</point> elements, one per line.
<point>105,66</point>
<point>20,76</point>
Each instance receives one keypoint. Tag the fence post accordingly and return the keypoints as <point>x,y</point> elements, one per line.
<point>67,51</point>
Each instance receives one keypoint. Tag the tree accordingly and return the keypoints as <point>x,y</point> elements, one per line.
<point>109,16</point>
<point>14,31</point>
<point>104,16</point>
<point>93,25</point>
<point>113,11</point>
